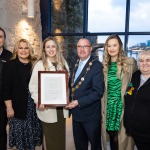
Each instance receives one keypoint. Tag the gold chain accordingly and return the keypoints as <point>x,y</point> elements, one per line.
<point>82,79</point>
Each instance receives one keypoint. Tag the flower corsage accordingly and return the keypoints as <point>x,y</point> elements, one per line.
<point>130,89</point>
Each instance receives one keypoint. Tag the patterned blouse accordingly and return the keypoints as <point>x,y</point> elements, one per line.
<point>114,100</point>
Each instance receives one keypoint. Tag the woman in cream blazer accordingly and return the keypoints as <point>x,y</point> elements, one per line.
<point>53,119</point>
<point>114,58</point>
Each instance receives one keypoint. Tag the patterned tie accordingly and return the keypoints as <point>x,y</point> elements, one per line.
<point>78,70</point>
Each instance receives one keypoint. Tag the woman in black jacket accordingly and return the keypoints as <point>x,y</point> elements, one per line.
<point>137,104</point>
<point>25,128</point>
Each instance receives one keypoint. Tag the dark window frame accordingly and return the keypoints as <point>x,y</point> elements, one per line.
<point>85,32</point>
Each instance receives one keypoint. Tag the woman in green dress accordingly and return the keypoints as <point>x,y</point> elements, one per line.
<point>118,70</point>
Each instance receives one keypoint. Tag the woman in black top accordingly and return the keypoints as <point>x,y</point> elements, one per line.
<point>25,128</point>
<point>137,104</point>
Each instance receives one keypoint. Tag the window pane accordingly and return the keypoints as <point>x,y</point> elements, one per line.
<point>138,43</point>
<point>106,15</point>
<point>139,15</point>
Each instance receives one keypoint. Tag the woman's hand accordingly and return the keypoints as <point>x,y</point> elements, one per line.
<point>41,107</point>
<point>10,112</point>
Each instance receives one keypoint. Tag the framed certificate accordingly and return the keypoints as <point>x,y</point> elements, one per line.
<point>53,88</point>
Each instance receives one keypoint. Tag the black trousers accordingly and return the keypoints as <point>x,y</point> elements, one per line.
<point>141,143</point>
<point>85,132</point>
<point>3,123</point>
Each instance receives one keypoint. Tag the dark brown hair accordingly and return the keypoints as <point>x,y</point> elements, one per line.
<point>1,29</point>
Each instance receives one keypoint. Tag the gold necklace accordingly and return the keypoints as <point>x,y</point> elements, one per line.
<point>82,79</point>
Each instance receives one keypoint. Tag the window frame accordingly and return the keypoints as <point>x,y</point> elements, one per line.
<point>85,32</point>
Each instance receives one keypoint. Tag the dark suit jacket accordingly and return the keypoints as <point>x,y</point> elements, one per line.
<point>16,77</point>
<point>89,93</point>
<point>4,57</point>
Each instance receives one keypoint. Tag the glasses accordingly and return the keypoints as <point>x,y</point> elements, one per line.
<point>84,47</point>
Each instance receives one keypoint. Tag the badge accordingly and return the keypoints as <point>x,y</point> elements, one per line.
<point>88,69</point>
<point>77,86</point>
<point>82,79</point>
<point>80,83</point>
<point>76,65</point>
<point>90,63</point>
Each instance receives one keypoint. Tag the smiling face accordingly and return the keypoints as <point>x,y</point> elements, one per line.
<point>51,49</point>
<point>23,51</point>
<point>144,65</point>
<point>84,49</point>
<point>113,48</point>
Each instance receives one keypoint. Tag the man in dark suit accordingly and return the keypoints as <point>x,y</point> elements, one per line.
<point>4,56</point>
<point>86,90</point>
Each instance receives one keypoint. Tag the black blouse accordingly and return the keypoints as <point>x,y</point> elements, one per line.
<point>16,76</point>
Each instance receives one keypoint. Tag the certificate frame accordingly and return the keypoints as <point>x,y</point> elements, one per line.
<point>55,94</point>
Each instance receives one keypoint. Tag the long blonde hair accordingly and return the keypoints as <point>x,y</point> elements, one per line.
<point>121,64</point>
<point>32,58</point>
<point>59,58</point>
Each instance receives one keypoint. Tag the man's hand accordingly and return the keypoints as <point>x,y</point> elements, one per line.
<point>73,104</point>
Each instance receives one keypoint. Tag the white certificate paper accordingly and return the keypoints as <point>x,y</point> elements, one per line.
<point>53,88</point>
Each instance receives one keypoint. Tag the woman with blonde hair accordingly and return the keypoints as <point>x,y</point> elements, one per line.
<point>53,119</point>
<point>25,128</point>
<point>118,70</point>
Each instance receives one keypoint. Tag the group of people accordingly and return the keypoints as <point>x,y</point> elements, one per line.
<point>108,100</point>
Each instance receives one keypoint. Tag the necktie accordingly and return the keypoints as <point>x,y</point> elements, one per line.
<point>78,70</point>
